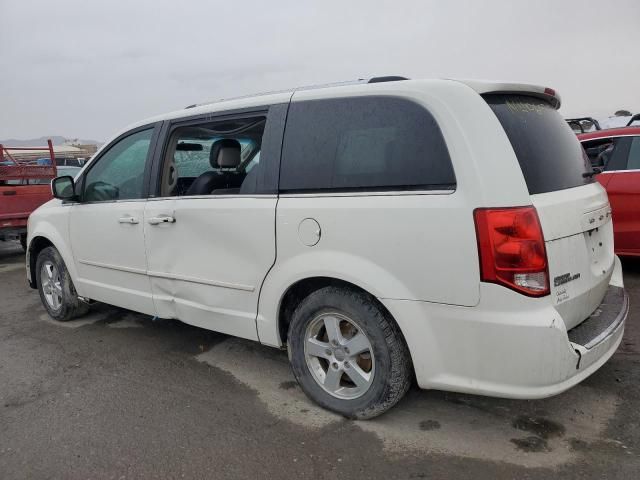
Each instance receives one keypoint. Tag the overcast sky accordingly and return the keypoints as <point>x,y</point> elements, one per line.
<point>87,69</point>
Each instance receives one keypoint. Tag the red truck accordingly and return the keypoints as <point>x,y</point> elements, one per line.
<point>24,186</point>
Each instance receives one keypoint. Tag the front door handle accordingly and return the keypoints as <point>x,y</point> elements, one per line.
<point>132,220</point>
<point>159,220</point>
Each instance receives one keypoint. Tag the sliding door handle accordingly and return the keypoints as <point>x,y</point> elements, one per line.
<point>159,220</point>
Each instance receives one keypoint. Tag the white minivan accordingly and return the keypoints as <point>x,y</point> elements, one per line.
<point>381,231</point>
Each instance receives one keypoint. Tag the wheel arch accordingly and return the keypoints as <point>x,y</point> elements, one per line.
<point>314,269</point>
<point>39,242</point>
<point>34,248</point>
<point>305,286</point>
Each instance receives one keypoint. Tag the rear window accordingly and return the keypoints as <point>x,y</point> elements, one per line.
<point>363,144</point>
<point>549,153</point>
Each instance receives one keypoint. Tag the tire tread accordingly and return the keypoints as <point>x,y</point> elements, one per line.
<point>399,379</point>
<point>72,306</point>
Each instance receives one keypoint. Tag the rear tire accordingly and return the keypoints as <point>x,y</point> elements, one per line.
<point>347,354</point>
<point>56,289</point>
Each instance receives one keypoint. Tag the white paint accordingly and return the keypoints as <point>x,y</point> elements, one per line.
<point>415,251</point>
<point>110,256</point>
<point>227,243</point>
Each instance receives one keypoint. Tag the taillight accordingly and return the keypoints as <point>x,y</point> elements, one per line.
<point>511,249</point>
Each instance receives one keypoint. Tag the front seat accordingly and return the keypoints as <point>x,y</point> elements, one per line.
<point>225,153</point>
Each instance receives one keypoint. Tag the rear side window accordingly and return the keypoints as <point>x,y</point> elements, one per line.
<point>608,154</point>
<point>363,143</point>
<point>549,153</point>
<point>634,155</point>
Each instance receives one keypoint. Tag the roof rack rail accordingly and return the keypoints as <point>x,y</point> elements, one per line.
<point>388,78</point>
<point>239,97</point>
<point>582,122</point>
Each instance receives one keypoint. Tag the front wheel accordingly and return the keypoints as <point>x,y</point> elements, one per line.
<point>347,354</point>
<point>56,289</point>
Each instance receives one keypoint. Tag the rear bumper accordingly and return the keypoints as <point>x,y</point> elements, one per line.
<point>513,347</point>
<point>14,221</point>
<point>11,227</point>
<point>601,324</point>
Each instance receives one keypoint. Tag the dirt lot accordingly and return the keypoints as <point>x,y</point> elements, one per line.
<point>118,395</point>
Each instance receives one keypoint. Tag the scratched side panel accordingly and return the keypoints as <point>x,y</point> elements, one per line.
<point>207,266</point>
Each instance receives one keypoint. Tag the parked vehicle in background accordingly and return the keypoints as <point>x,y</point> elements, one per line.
<point>616,153</point>
<point>66,162</point>
<point>62,171</point>
<point>583,124</point>
<point>381,231</point>
<point>621,119</point>
<point>590,124</point>
<point>24,186</point>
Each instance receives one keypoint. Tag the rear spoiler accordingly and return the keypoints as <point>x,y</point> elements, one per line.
<point>581,124</point>
<point>486,87</point>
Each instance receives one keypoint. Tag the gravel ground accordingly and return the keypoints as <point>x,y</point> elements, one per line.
<point>118,395</point>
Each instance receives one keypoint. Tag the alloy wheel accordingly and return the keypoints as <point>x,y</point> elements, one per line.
<point>339,355</point>
<point>51,285</point>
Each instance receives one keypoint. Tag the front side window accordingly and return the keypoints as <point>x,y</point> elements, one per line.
<point>119,173</point>
<point>614,154</point>
<point>363,143</point>
<point>213,158</point>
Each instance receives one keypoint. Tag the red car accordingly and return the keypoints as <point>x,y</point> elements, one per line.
<point>616,153</point>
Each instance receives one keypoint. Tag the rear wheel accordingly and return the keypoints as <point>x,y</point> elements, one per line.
<point>347,354</point>
<point>56,289</point>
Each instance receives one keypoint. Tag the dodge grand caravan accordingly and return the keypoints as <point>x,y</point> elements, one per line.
<point>380,231</point>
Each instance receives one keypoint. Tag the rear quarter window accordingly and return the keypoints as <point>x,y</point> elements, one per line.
<point>363,143</point>
<point>550,156</point>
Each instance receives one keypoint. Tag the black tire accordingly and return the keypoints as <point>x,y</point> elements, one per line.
<point>23,241</point>
<point>392,362</point>
<point>70,305</point>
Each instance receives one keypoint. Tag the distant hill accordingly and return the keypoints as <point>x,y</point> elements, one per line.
<point>42,141</point>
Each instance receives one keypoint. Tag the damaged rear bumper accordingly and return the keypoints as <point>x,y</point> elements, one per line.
<point>509,345</point>
<point>594,337</point>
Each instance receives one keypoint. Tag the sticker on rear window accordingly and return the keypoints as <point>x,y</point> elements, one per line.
<point>522,106</point>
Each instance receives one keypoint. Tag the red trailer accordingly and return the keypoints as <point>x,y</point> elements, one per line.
<point>24,186</point>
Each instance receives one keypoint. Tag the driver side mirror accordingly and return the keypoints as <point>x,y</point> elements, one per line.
<point>63,188</point>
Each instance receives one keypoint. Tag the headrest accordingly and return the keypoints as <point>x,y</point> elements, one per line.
<point>225,153</point>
